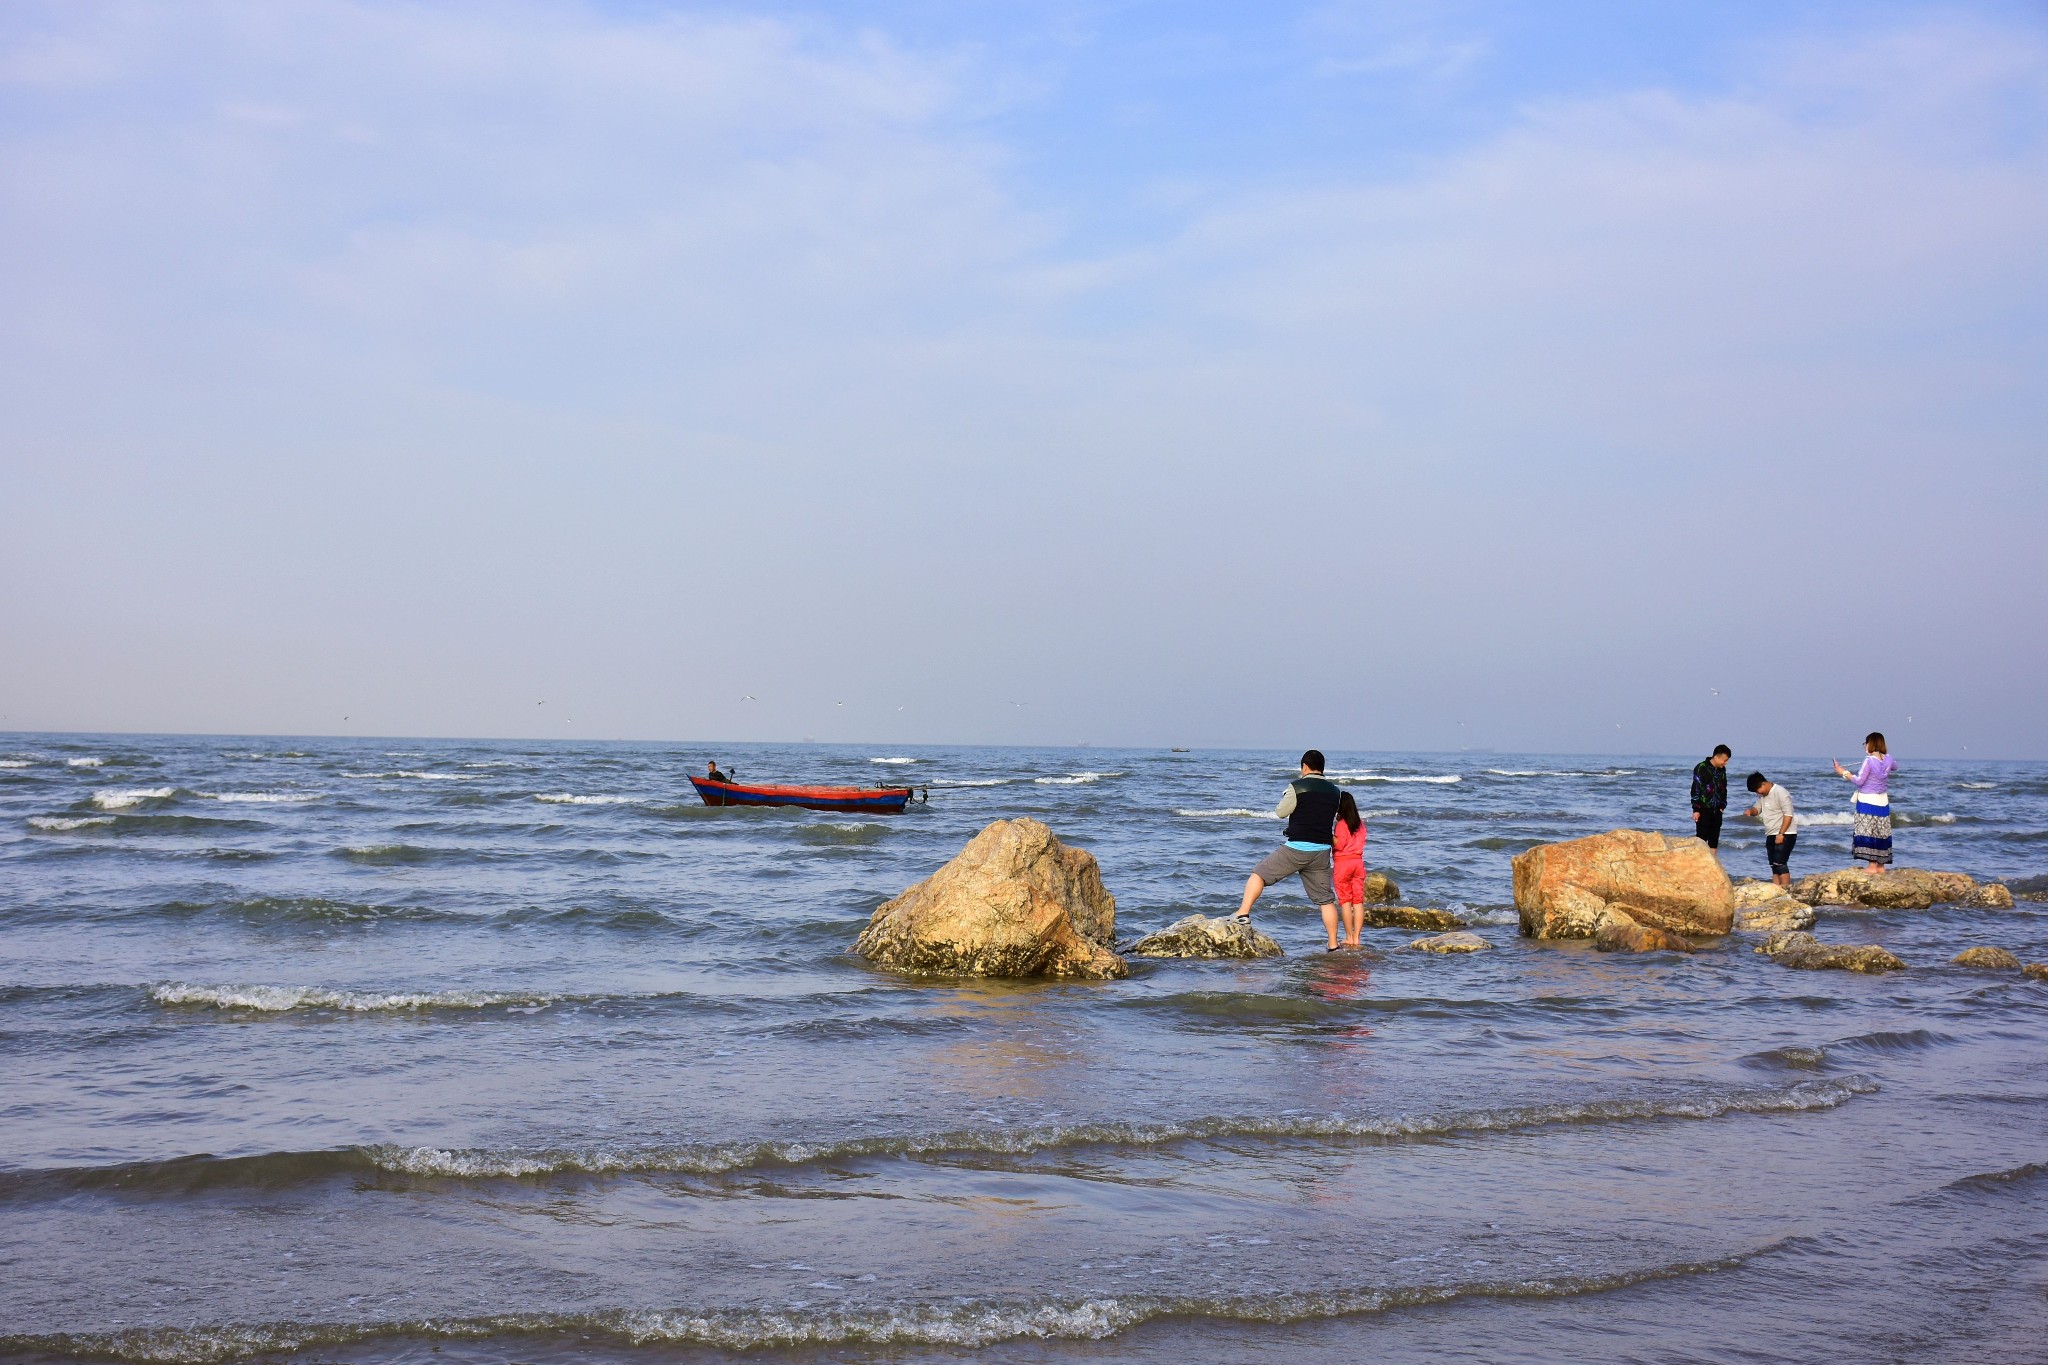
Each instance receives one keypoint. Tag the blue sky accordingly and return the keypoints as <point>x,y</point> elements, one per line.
<point>1584,377</point>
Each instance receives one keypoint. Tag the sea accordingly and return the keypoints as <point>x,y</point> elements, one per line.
<point>372,1050</point>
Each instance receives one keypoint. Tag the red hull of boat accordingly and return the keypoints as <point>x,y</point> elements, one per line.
<point>882,800</point>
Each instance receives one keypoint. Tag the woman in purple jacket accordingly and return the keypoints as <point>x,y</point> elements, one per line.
<point>1873,841</point>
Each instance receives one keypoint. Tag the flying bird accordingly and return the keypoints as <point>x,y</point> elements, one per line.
<point>750,697</point>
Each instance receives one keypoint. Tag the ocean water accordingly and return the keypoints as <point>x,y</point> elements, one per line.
<point>383,1050</point>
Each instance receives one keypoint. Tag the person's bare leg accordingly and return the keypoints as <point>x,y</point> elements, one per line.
<point>1330,923</point>
<point>1354,924</point>
<point>1253,886</point>
<point>1877,867</point>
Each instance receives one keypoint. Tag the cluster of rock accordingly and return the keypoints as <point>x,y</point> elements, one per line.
<point>1627,890</point>
<point>1900,888</point>
<point>1016,902</point>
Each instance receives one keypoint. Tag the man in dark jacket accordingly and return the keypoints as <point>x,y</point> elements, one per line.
<point>1710,795</point>
<point>1309,807</point>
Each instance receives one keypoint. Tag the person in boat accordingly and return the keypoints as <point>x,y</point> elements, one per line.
<point>712,774</point>
<point>1309,807</point>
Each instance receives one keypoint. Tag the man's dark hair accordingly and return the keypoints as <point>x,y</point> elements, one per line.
<point>1313,760</point>
<point>1756,781</point>
<point>1720,749</point>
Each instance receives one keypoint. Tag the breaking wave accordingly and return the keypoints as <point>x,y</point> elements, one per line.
<point>83,762</point>
<point>276,999</point>
<point>1349,776</point>
<point>959,1322</point>
<point>15,763</point>
<point>971,781</point>
<point>570,799</point>
<point>64,822</point>
<point>120,798</point>
<point>421,776</point>
<point>892,760</point>
<point>1073,779</point>
<point>1228,813</point>
<point>711,1159</point>
<point>280,798</point>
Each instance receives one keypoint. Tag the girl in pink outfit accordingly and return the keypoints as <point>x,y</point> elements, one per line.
<point>1347,868</point>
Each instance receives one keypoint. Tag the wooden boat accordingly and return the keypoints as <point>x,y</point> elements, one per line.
<point>880,800</point>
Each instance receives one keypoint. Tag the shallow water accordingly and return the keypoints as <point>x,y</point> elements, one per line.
<point>398,1050</point>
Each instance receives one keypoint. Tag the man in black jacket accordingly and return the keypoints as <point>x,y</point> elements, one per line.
<point>1710,794</point>
<point>1309,807</point>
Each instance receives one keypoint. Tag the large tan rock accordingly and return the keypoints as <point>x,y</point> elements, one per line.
<point>1677,885</point>
<point>1202,936</point>
<point>1014,902</point>
<point>1810,954</point>
<point>1900,888</point>
<point>1990,959</point>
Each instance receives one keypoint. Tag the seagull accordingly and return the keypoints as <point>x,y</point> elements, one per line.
<point>1715,690</point>
<point>750,697</point>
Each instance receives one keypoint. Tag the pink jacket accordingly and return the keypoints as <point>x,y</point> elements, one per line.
<point>1347,842</point>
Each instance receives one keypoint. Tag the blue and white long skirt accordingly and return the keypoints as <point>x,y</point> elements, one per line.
<point>1873,841</point>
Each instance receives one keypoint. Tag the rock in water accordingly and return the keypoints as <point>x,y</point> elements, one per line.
<point>1996,959</point>
<point>1765,908</point>
<point>1408,917</point>
<point>1619,932</point>
<point>1805,951</point>
<point>1902,888</point>
<point>1677,885</point>
<point>2037,970</point>
<point>1014,902</point>
<point>1201,936</point>
<point>1460,942</point>
<point>1380,889</point>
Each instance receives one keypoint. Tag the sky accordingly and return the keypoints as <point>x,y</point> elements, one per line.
<point>1587,377</point>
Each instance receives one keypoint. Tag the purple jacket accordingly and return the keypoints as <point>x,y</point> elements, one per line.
<point>1875,774</point>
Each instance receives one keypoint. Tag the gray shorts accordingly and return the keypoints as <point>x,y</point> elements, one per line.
<point>1313,869</point>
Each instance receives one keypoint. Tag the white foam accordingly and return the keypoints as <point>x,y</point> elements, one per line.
<point>59,822</point>
<point>1966,786</point>
<point>1073,779</point>
<point>1556,772</point>
<point>571,799</point>
<point>275,999</point>
<point>83,762</point>
<point>1343,775</point>
<point>1228,813</point>
<point>893,760</point>
<point>120,798</point>
<point>281,798</point>
<point>15,763</point>
<point>971,782</point>
<point>496,763</point>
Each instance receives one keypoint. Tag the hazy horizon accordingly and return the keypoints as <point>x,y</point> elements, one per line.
<point>1418,377</point>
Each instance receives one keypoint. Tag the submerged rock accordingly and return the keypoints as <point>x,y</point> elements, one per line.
<point>1996,959</point>
<point>1676,885</point>
<point>1461,942</point>
<point>1201,936</point>
<point>1901,888</point>
<point>1618,932</point>
<point>1408,917</point>
<point>1765,908</point>
<point>1805,951</point>
<point>1014,902</point>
